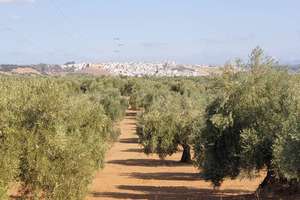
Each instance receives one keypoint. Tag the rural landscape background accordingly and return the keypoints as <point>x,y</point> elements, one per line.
<point>149,100</point>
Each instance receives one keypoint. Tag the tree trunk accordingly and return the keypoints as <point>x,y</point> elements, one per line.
<point>274,184</point>
<point>186,154</point>
<point>268,180</point>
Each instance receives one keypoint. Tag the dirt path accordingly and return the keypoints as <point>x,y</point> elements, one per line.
<point>130,174</point>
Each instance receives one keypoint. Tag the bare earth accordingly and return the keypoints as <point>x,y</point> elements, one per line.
<point>130,174</point>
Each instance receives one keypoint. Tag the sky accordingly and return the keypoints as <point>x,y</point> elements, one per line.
<point>185,31</point>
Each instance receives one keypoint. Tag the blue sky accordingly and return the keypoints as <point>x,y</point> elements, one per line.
<point>190,31</point>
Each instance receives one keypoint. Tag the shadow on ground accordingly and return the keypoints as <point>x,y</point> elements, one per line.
<point>131,114</point>
<point>131,124</point>
<point>147,162</point>
<point>134,150</point>
<point>171,176</point>
<point>129,140</point>
<point>153,192</point>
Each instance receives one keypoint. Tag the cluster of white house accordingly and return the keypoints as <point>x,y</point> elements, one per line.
<point>139,69</point>
<point>75,66</point>
<point>149,69</point>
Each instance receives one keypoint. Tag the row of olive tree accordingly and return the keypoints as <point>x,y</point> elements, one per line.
<point>53,136</point>
<point>241,122</point>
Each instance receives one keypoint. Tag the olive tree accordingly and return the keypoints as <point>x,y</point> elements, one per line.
<point>251,124</point>
<point>52,139</point>
<point>9,146</point>
<point>168,124</point>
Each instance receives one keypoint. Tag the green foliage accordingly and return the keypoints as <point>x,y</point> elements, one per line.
<point>9,147</point>
<point>114,104</point>
<point>53,137</point>
<point>170,118</point>
<point>251,124</point>
<point>287,145</point>
<point>156,133</point>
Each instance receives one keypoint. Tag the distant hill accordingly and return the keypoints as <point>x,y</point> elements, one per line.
<point>294,68</point>
<point>48,69</point>
<point>31,69</point>
<point>94,70</point>
<point>25,70</point>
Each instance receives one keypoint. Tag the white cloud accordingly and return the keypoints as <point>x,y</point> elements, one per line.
<point>17,1</point>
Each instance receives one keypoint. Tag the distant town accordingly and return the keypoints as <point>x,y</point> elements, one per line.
<point>136,69</point>
<point>133,69</point>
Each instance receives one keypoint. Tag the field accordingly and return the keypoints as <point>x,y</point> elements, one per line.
<point>233,135</point>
